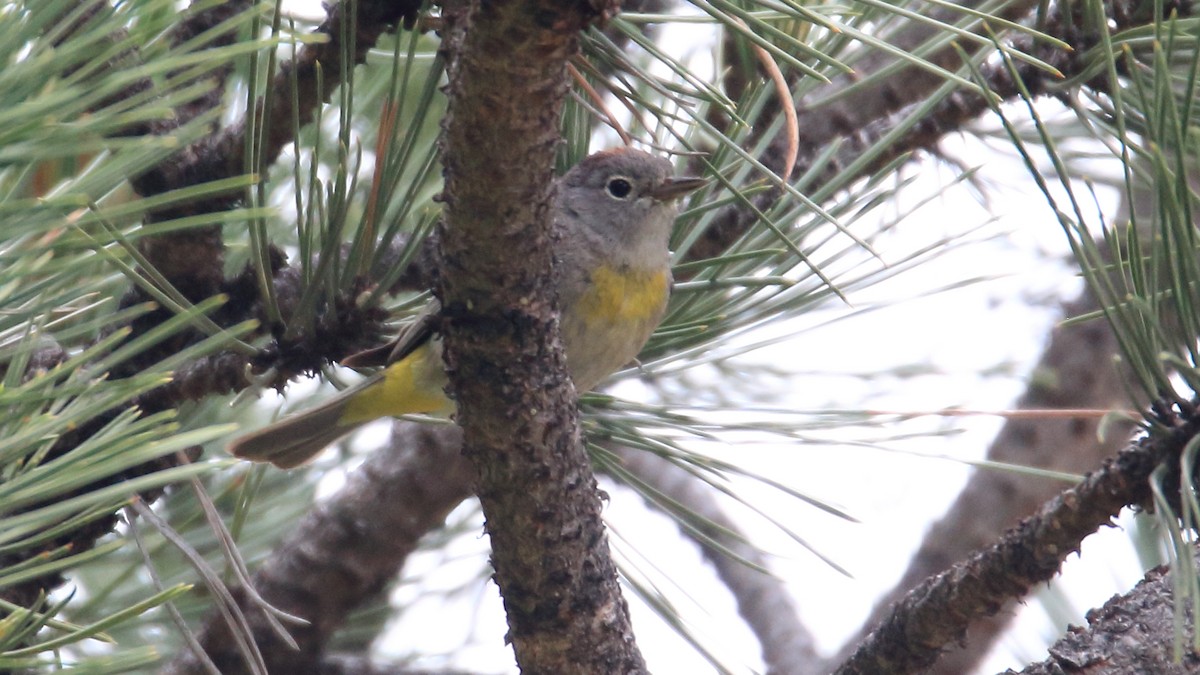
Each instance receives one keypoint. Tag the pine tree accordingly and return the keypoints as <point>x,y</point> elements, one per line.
<point>202,206</point>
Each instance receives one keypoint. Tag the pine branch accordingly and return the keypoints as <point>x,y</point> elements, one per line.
<point>856,134</point>
<point>937,612</point>
<point>342,330</point>
<point>953,112</point>
<point>1070,375</point>
<point>193,259</point>
<point>197,255</point>
<point>226,372</point>
<point>346,550</point>
<point>193,25</point>
<point>422,472</point>
<point>843,108</point>
<point>1131,634</point>
<point>516,404</point>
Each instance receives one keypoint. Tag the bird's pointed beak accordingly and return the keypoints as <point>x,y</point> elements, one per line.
<point>674,188</point>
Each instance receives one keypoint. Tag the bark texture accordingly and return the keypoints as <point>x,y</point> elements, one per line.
<point>1129,635</point>
<point>516,404</point>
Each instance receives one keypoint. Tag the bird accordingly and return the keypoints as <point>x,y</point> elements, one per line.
<point>613,214</point>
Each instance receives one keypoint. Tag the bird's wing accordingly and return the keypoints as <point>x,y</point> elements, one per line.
<point>416,333</point>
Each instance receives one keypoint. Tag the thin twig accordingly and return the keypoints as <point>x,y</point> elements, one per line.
<point>598,101</point>
<point>787,105</point>
<point>189,637</point>
<point>232,615</point>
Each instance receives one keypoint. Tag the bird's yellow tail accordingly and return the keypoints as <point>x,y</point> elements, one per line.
<point>412,385</point>
<point>293,440</point>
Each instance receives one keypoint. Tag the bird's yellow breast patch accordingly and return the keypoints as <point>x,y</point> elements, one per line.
<point>623,296</point>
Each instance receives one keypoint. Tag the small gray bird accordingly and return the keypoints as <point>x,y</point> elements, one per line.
<point>614,212</point>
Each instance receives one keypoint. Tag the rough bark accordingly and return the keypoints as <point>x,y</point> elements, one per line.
<point>516,404</point>
<point>1130,635</point>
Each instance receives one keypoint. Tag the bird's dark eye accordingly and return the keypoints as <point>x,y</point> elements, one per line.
<point>619,187</point>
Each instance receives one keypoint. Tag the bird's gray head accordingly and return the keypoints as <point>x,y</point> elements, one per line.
<point>625,198</point>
